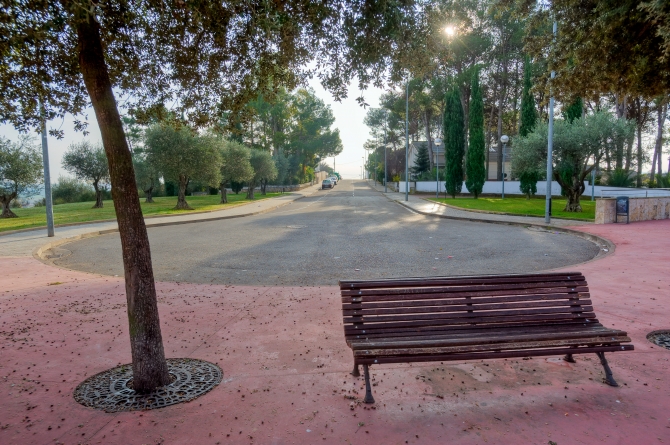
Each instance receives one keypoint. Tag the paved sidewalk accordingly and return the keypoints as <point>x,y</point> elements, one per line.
<point>24,243</point>
<point>420,205</point>
<point>286,365</point>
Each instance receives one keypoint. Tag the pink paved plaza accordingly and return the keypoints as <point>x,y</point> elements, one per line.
<point>286,365</point>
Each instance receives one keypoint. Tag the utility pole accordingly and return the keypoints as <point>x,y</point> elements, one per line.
<point>550,146</point>
<point>47,177</point>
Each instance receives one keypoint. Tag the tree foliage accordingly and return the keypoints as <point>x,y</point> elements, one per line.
<point>20,171</point>
<point>476,157</point>
<point>575,147</point>
<point>454,143</point>
<point>264,170</point>
<point>88,163</point>
<point>528,112</point>
<point>602,46</point>
<point>235,166</point>
<point>182,155</point>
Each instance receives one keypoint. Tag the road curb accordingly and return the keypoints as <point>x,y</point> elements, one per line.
<point>98,221</point>
<point>38,253</point>
<point>490,212</point>
<point>603,243</point>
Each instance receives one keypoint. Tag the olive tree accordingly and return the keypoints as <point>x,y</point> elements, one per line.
<point>20,171</point>
<point>264,170</point>
<point>146,175</point>
<point>182,155</point>
<point>578,148</point>
<point>235,166</point>
<point>88,163</point>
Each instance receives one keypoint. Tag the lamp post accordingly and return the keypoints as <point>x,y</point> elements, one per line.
<point>550,147</point>
<point>407,141</point>
<point>47,178</point>
<point>438,141</point>
<point>386,117</point>
<point>504,139</point>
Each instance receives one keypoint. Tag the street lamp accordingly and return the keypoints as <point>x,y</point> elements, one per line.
<point>438,141</point>
<point>504,139</point>
<point>407,141</point>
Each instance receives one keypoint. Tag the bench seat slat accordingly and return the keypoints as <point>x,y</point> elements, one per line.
<point>477,330</point>
<point>491,355</point>
<point>440,330</point>
<point>498,346</point>
<point>488,338</point>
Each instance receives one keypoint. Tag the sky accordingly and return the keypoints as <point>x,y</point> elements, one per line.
<point>349,117</point>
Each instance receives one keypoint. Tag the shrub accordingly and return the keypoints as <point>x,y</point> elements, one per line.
<point>620,178</point>
<point>68,190</point>
<point>528,182</point>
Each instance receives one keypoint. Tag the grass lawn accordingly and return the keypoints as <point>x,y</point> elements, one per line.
<point>83,211</point>
<point>523,206</point>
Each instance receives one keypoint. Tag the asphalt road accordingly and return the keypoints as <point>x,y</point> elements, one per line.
<point>348,232</point>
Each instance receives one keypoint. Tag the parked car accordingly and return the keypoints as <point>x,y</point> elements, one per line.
<point>327,184</point>
<point>333,179</point>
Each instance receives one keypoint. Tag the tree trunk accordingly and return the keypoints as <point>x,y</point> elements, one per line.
<point>662,114</point>
<point>264,185</point>
<point>181,196</point>
<point>428,139</point>
<point>621,114</point>
<point>149,194</point>
<point>250,190</point>
<point>224,193</point>
<point>573,204</point>
<point>652,174</point>
<point>150,369</point>
<point>98,195</point>
<point>5,200</point>
<point>638,179</point>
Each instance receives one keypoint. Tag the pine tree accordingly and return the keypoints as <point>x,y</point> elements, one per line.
<point>454,143</point>
<point>476,157</point>
<point>422,161</point>
<point>528,113</point>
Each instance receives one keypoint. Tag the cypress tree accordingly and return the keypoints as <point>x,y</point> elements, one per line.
<point>454,143</point>
<point>528,113</point>
<point>476,157</point>
<point>574,111</point>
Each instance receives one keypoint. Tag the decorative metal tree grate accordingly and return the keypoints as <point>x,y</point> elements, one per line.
<point>661,338</point>
<point>112,391</point>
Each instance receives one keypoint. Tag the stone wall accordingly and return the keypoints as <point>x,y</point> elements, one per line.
<point>641,209</point>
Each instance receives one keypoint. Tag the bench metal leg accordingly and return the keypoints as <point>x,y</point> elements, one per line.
<point>568,358</point>
<point>609,379</point>
<point>368,390</point>
<point>356,372</point>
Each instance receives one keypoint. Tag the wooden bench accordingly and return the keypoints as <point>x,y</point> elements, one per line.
<point>473,317</point>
